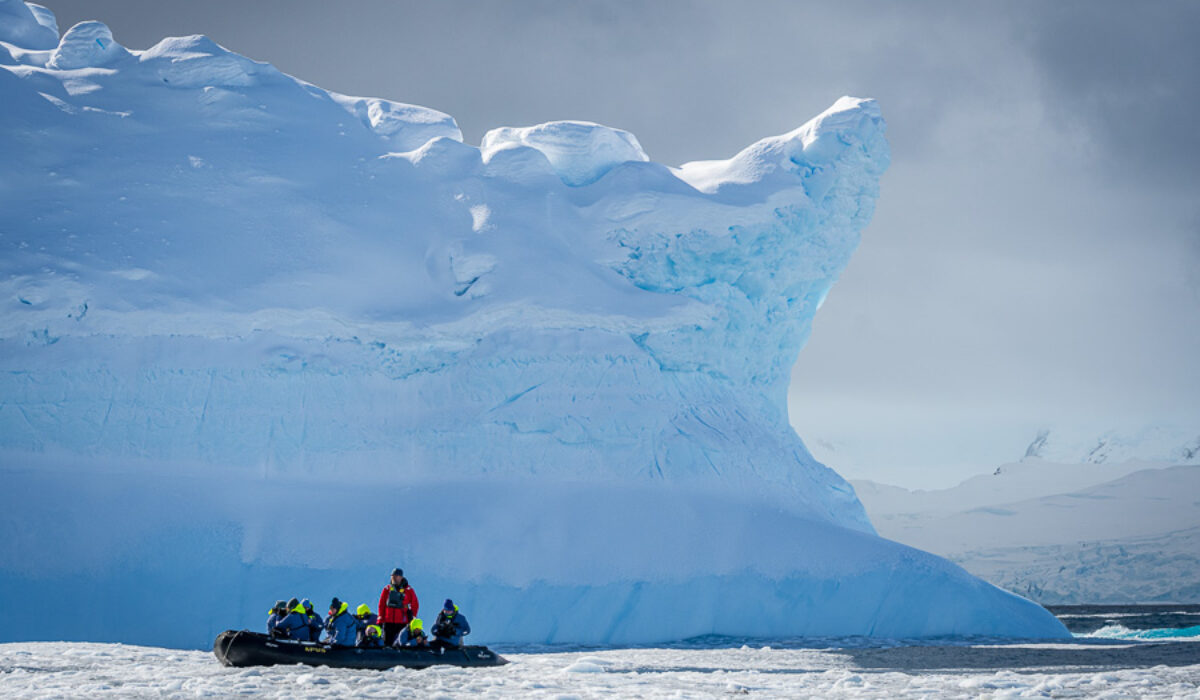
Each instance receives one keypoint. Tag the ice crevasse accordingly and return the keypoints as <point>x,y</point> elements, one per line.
<point>260,339</point>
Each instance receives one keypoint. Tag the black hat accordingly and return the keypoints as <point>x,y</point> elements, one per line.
<point>397,571</point>
<point>293,603</point>
<point>335,604</point>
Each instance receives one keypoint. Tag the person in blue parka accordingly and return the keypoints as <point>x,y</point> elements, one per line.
<point>315,623</point>
<point>276,614</point>
<point>341,627</point>
<point>370,633</point>
<point>295,624</point>
<point>413,635</point>
<point>371,637</point>
<point>451,627</point>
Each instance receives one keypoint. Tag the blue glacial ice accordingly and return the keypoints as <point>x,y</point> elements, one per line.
<point>259,340</point>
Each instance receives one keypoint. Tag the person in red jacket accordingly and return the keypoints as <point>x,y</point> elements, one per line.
<point>397,606</point>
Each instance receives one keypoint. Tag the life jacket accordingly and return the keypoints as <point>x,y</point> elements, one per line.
<point>395,597</point>
<point>445,627</point>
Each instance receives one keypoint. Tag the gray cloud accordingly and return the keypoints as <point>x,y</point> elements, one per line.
<point>1128,73</point>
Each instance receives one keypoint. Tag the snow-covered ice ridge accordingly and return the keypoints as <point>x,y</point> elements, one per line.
<point>261,339</point>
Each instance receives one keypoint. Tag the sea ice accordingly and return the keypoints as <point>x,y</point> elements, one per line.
<point>53,670</point>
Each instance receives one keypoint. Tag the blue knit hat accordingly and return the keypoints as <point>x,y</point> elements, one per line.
<point>449,605</point>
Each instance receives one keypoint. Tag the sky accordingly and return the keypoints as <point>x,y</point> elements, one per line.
<point>1034,261</point>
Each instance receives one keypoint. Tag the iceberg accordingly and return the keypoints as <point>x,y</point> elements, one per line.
<point>260,339</point>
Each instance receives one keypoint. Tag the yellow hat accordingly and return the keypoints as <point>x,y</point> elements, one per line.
<point>364,609</point>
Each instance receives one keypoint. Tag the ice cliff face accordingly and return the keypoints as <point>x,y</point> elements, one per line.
<point>291,339</point>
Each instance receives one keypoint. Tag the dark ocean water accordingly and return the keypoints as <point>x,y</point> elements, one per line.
<point>1127,621</point>
<point>1106,637</point>
<point>1094,625</point>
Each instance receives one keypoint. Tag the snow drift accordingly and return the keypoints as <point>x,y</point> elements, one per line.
<point>263,340</point>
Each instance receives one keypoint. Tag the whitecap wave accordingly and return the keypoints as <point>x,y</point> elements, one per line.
<point>1162,633</point>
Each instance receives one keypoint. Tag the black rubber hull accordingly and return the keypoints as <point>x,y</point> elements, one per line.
<point>254,649</point>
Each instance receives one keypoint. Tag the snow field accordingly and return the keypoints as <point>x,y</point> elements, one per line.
<point>52,670</point>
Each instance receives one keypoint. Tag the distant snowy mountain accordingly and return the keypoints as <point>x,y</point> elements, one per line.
<point>1165,444</point>
<point>260,340</point>
<point>1060,533</point>
<point>1019,481</point>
